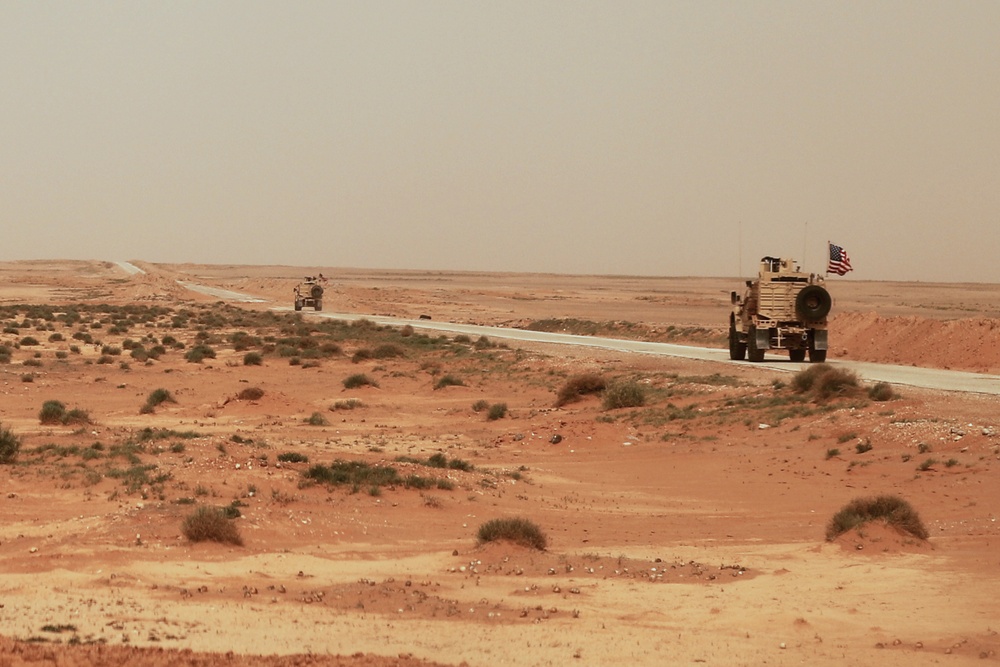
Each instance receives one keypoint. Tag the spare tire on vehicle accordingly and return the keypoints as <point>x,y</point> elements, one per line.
<point>813,303</point>
<point>316,291</point>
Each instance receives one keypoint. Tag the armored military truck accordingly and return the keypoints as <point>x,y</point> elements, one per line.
<point>309,293</point>
<point>783,309</point>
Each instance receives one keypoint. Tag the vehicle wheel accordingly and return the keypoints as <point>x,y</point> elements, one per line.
<point>298,305</point>
<point>813,303</point>
<point>737,350</point>
<point>319,304</point>
<point>797,355</point>
<point>817,356</point>
<point>752,352</point>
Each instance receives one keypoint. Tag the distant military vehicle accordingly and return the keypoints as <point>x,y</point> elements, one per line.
<point>783,309</point>
<point>309,293</point>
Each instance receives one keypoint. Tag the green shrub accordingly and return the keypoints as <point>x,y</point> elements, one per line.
<point>388,351</point>
<point>624,394</point>
<point>832,453</point>
<point>516,530</point>
<point>359,380</point>
<point>448,381</point>
<point>364,354</point>
<point>497,411</point>
<point>52,412</point>
<point>579,385</point>
<point>211,524</point>
<point>354,473</point>
<point>28,341</point>
<point>252,359</point>
<point>892,510</point>
<point>10,445</point>
<point>293,457</point>
<point>155,398</point>
<point>198,353</point>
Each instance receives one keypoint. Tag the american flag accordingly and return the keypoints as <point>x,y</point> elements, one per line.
<point>840,263</point>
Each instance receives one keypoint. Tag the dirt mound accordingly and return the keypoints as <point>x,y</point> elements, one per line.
<point>881,538</point>
<point>971,344</point>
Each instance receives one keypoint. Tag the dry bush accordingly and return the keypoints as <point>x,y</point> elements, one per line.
<point>250,394</point>
<point>211,524</point>
<point>516,530</point>
<point>579,385</point>
<point>10,445</point>
<point>892,510</point>
<point>881,391</point>
<point>824,381</point>
<point>624,394</point>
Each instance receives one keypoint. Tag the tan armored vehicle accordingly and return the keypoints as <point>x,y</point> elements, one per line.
<point>784,309</point>
<point>309,293</point>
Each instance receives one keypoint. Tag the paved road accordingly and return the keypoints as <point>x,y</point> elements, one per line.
<point>928,378</point>
<point>129,268</point>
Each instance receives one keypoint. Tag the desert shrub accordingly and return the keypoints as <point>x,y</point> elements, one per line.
<point>579,385</point>
<point>347,404</point>
<point>354,473</point>
<point>927,464</point>
<point>388,351</point>
<point>28,341</point>
<point>406,331</point>
<point>832,453</point>
<point>250,394</point>
<point>10,445</point>
<point>56,337</point>
<point>363,354</point>
<point>624,394</point>
<point>480,405</point>
<point>76,416</point>
<point>358,380</point>
<point>863,447</point>
<point>198,353</point>
<point>892,510</point>
<point>293,457</point>
<point>52,412</point>
<point>211,524</point>
<point>514,529</point>
<point>27,377</point>
<point>483,343</point>
<point>33,362</point>
<point>497,411</point>
<point>824,381</point>
<point>316,419</point>
<point>252,359</point>
<point>155,398</point>
<point>111,350</point>
<point>881,391</point>
<point>448,381</point>
<point>5,353</point>
<point>462,338</point>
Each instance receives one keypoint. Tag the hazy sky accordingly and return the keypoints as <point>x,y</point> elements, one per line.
<point>572,137</point>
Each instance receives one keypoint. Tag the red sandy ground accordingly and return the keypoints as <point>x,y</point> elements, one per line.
<point>670,540</point>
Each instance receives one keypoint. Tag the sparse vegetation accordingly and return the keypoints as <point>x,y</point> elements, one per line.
<point>316,419</point>
<point>211,524</point>
<point>250,394</point>
<point>448,381</point>
<point>293,457</point>
<point>253,359</point>
<point>156,398</point>
<point>517,530</point>
<point>497,411</point>
<point>892,510</point>
<point>578,386</point>
<point>52,412</point>
<point>881,391</point>
<point>347,404</point>
<point>624,394</point>
<point>10,445</point>
<point>359,380</point>
<point>824,381</point>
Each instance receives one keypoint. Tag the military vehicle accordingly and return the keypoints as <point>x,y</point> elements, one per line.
<point>309,293</point>
<point>783,309</point>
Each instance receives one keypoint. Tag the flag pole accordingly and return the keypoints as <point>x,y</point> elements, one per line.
<point>826,274</point>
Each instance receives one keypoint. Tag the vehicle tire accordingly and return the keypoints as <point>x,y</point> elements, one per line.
<point>319,304</point>
<point>737,350</point>
<point>298,305</point>
<point>816,356</point>
<point>316,292</point>
<point>753,353</point>
<point>813,303</point>
<point>797,355</point>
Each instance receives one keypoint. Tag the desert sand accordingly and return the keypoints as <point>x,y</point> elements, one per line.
<point>691,529</point>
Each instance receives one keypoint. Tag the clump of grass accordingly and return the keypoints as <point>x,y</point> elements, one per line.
<point>354,473</point>
<point>927,464</point>
<point>448,381</point>
<point>211,524</point>
<point>252,359</point>
<point>359,380</point>
<point>347,404</point>
<point>832,453</point>
<point>10,445</point>
<point>362,354</point>
<point>199,353</point>
<point>579,385</point>
<point>514,529</point>
<point>52,412</point>
<point>156,398</point>
<point>316,419</point>
<point>497,411</point>
<point>881,391</point>
<point>624,394</point>
<point>824,381</point>
<point>892,510</point>
<point>250,394</point>
<point>293,457</point>
<point>480,405</point>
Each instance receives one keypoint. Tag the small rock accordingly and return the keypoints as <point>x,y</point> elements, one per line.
<point>556,439</point>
